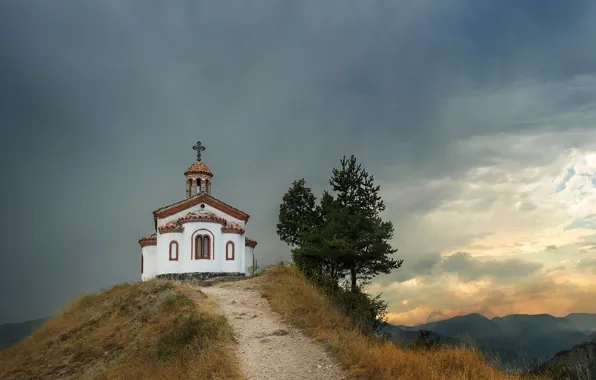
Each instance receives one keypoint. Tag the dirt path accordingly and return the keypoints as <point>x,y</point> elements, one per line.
<point>268,348</point>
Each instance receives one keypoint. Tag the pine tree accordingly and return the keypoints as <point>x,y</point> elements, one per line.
<point>322,248</point>
<point>365,235</point>
<point>297,213</point>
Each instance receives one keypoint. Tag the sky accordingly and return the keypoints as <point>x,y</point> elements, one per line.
<point>477,119</point>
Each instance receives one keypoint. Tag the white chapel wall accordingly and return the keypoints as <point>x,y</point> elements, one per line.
<point>164,265</point>
<point>235,265</point>
<point>186,262</point>
<point>149,262</point>
<point>197,208</point>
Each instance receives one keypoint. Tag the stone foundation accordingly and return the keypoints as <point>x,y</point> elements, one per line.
<point>197,275</point>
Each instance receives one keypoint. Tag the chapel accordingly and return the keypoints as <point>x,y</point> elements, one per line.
<point>199,237</point>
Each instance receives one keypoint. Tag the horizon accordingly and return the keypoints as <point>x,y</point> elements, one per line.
<point>413,325</point>
<point>490,318</point>
<point>477,121</point>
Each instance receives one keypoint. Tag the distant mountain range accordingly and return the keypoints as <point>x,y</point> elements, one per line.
<point>10,333</point>
<point>517,340</point>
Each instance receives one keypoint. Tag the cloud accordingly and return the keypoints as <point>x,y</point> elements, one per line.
<point>430,267</point>
<point>464,112</point>
<point>468,268</point>
<point>492,249</point>
<point>587,222</point>
<point>541,292</point>
<point>587,265</point>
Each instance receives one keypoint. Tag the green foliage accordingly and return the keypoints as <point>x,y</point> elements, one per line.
<point>297,213</point>
<point>196,332</point>
<point>367,312</point>
<point>254,269</point>
<point>161,286</point>
<point>555,371</point>
<point>342,242</point>
<point>358,206</point>
<point>425,342</point>
<point>176,302</point>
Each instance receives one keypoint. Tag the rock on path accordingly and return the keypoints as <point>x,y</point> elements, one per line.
<point>268,348</point>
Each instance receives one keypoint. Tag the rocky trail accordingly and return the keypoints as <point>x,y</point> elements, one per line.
<point>267,347</point>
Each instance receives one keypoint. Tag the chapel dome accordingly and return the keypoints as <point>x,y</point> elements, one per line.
<point>199,167</point>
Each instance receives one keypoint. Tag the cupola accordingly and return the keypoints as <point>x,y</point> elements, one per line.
<point>198,176</point>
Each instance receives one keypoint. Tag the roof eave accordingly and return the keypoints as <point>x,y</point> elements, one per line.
<point>159,213</point>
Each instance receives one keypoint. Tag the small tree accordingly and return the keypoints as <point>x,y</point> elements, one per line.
<point>297,213</point>
<point>324,247</point>
<point>425,342</point>
<point>359,206</point>
<point>343,238</point>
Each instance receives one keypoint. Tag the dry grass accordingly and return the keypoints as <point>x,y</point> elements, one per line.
<point>302,306</point>
<point>149,330</point>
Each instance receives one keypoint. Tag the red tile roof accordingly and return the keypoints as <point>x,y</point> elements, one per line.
<point>171,227</point>
<point>232,228</point>
<point>148,240</point>
<point>250,243</point>
<point>199,168</point>
<point>175,208</point>
<point>201,216</point>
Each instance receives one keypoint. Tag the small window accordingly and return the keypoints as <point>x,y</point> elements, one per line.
<point>230,251</point>
<point>202,247</point>
<point>173,250</point>
<point>142,264</point>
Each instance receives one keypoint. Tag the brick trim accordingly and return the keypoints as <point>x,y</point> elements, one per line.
<point>250,243</point>
<point>196,217</point>
<point>172,244</point>
<point>233,250</point>
<point>193,253</point>
<point>175,208</point>
<point>148,240</point>
<point>171,227</point>
<point>232,229</point>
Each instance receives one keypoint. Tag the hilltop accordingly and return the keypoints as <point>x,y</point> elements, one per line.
<point>277,322</point>
<point>148,330</point>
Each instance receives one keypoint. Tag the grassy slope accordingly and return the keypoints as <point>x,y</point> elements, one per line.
<point>149,330</point>
<point>302,306</point>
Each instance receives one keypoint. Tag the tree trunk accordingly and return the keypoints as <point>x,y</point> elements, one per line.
<point>353,275</point>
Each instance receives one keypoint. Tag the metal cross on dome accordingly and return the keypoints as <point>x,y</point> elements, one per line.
<point>199,147</point>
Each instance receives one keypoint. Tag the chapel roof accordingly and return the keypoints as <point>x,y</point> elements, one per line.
<point>199,167</point>
<point>199,216</point>
<point>175,208</point>
<point>249,242</point>
<point>148,240</point>
<point>174,226</point>
<point>231,227</point>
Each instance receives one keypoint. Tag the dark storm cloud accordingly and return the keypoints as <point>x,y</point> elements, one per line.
<point>101,102</point>
<point>414,265</point>
<point>469,268</point>
<point>430,267</point>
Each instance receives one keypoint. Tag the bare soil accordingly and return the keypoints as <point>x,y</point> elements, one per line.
<point>267,347</point>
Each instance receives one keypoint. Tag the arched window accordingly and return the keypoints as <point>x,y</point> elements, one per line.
<point>202,247</point>
<point>229,251</point>
<point>173,250</point>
